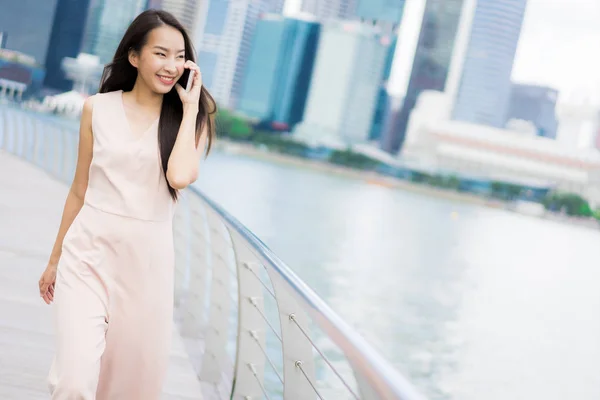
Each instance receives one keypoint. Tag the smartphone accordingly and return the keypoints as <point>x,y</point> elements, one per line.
<point>190,79</point>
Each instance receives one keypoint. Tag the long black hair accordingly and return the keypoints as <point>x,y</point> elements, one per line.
<point>121,75</point>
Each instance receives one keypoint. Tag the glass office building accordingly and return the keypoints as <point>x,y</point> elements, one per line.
<point>485,83</point>
<point>279,70</point>
<point>26,26</point>
<point>431,63</point>
<point>65,41</point>
<point>106,24</point>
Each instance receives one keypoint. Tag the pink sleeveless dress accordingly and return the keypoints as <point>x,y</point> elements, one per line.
<point>114,288</point>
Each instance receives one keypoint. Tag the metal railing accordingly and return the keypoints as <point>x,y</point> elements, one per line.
<point>251,327</point>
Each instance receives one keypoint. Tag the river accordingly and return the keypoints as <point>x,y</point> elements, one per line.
<point>468,302</point>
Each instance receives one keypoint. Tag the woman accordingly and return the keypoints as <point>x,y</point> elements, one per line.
<point>110,274</point>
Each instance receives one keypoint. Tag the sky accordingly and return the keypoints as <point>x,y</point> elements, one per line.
<point>559,47</point>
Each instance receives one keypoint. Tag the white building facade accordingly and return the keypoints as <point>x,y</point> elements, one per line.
<point>436,142</point>
<point>345,83</point>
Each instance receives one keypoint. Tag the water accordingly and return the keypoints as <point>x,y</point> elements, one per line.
<point>468,302</point>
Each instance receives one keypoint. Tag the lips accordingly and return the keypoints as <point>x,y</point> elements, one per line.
<point>166,80</point>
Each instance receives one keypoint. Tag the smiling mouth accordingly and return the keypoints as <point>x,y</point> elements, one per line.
<point>167,80</point>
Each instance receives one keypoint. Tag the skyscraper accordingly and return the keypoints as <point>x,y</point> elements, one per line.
<point>279,70</point>
<point>26,26</point>
<point>345,83</point>
<point>186,11</point>
<point>65,40</point>
<point>226,44</point>
<point>431,63</point>
<point>329,9</point>
<point>387,14</point>
<point>382,108</point>
<point>536,104</point>
<point>106,24</point>
<point>483,92</point>
<point>380,10</point>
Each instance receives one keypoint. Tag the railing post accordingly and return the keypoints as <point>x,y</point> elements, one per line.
<point>20,135</point>
<point>181,242</point>
<point>56,152</point>
<point>193,304</point>
<point>250,359</point>
<point>10,132</point>
<point>214,361</point>
<point>36,143</point>
<point>298,360</point>
<point>3,115</point>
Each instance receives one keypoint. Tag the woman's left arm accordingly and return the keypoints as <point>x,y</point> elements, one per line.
<point>182,167</point>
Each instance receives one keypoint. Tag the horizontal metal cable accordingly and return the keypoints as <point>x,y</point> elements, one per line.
<point>252,301</point>
<point>254,336</point>
<point>261,282</point>
<point>253,369</point>
<point>299,365</point>
<point>293,318</point>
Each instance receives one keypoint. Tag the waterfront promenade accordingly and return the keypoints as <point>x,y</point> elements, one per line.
<point>31,204</point>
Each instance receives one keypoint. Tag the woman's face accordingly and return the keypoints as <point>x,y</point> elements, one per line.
<point>160,62</point>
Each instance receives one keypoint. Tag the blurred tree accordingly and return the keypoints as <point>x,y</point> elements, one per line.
<point>570,203</point>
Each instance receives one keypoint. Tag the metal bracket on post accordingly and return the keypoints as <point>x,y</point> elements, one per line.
<point>298,361</point>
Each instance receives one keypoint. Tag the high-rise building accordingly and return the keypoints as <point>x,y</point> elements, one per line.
<point>65,41</point>
<point>483,91</point>
<point>536,104</point>
<point>279,70</point>
<point>186,11</point>
<point>329,9</point>
<point>106,23</point>
<point>380,10</point>
<point>26,26</point>
<point>431,63</point>
<point>387,15</point>
<point>382,107</point>
<point>578,123</point>
<point>346,80</point>
<point>226,42</point>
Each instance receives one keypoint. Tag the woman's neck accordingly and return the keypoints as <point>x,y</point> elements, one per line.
<point>145,98</point>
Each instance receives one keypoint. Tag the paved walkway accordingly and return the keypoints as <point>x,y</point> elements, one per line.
<point>31,205</point>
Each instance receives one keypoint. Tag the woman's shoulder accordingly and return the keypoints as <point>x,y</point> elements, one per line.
<point>95,103</point>
<point>99,98</point>
<point>105,95</point>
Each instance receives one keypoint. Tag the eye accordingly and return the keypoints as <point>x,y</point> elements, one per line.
<point>161,54</point>
<point>181,57</point>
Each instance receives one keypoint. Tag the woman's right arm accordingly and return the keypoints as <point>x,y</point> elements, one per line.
<point>76,194</point>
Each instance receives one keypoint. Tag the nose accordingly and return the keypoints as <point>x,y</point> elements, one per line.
<point>170,67</point>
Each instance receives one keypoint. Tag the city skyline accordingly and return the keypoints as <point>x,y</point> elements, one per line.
<point>565,61</point>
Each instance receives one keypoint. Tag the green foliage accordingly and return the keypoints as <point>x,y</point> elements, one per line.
<point>280,143</point>
<point>443,181</point>
<point>506,191</point>
<point>570,203</point>
<point>354,160</point>
<point>232,126</point>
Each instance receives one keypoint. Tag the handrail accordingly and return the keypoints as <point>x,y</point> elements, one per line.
<point>212,243</point>
<point>382,377</point>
